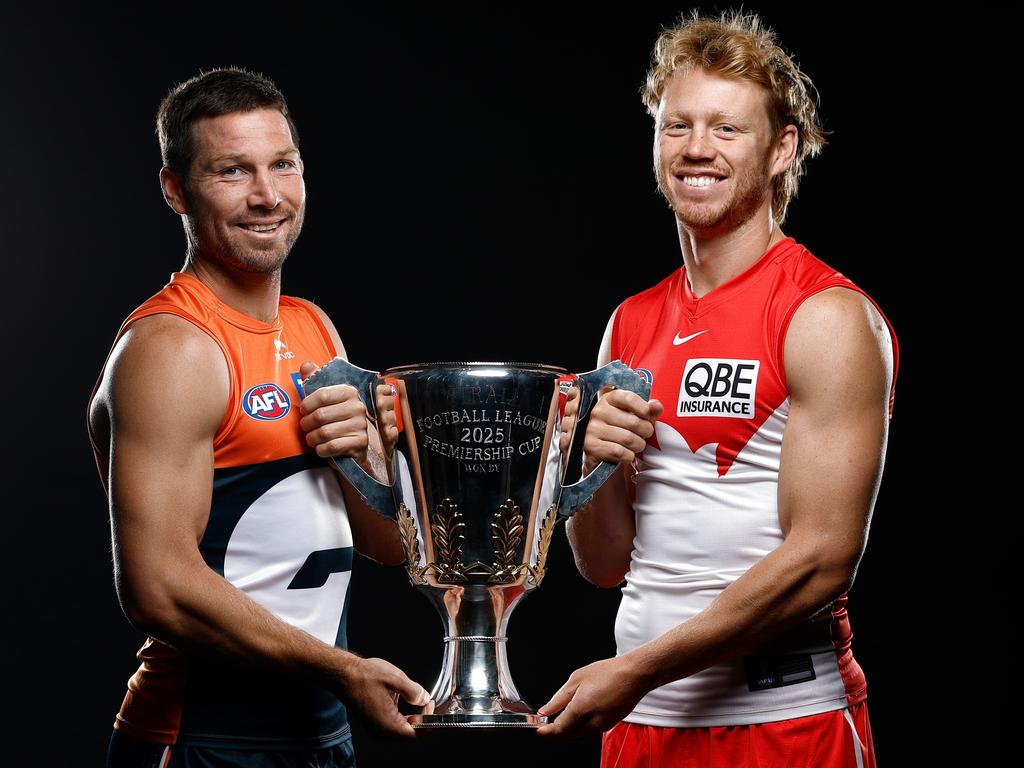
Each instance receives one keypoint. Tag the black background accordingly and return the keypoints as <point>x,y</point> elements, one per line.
<point>480,187</point>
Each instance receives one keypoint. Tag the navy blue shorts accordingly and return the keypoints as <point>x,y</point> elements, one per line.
<point>126,752</point>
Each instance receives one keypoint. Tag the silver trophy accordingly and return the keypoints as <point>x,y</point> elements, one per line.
<point>478,489</point>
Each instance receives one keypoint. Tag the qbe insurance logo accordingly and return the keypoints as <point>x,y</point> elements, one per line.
<point>266,402</point>
<point>717,387</point>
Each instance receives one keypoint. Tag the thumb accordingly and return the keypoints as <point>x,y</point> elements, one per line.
<point>411,691</point>
<point>307,369</point>
<point>560,700</point>
<point>654,409</point>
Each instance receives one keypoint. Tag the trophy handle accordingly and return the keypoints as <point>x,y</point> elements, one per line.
<point>615,374</point>
<point>381,498</point>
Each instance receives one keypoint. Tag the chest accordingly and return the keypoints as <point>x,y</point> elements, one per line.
<point>716,374</point>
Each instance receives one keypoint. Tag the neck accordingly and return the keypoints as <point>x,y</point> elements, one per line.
<point>714,260</point>
<point>251,293</point>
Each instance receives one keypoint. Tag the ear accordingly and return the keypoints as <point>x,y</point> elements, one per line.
<point>785,150</point>
<point>174,193</point>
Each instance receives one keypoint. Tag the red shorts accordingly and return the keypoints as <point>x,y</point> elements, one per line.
<point>839,739</point>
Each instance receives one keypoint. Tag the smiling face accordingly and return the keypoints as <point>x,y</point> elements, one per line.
<point>714,151</point>
<point>246,198</point>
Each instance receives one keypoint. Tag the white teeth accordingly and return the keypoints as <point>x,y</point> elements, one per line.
<point>261,227</point>
<point>699,181</point>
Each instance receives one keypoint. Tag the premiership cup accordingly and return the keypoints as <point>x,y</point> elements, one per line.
<point>477,491</point>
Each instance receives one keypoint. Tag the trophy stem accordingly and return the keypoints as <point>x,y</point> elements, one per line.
<point>475,687</point>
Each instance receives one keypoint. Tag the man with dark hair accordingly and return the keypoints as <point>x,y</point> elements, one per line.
<point>747,482</point>
<point>233,539</point>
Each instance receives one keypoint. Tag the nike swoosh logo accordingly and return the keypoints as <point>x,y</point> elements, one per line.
<point>677,341</point>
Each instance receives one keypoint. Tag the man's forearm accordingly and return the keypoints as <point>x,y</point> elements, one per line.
<point>787,586</point>
<point>375,465</point>
<point>374,535</point>
<point>197,610</point>
<point>601,533</point>
<point>200,612</point>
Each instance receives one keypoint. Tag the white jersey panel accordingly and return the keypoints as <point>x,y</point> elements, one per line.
<point>302,514</point>
<point>697,532</point>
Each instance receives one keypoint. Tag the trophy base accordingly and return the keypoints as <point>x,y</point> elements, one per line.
<point>500,720</point>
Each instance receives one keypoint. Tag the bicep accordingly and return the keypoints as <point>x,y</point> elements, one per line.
<point>166,396</point>
<point>838,362</point>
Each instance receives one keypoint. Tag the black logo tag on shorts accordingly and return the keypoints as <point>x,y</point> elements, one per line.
<point>765,672</point>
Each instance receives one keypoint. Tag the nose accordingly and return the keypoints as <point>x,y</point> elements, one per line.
<point>697,146</point>
<point>263,193</point>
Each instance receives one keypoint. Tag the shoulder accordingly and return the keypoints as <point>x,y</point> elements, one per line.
<point>838,310</point>
<point>610,340</point>
<point>836,340</point>
<point>164,341</point>
<point>162,365</point>
<point>324,319</point>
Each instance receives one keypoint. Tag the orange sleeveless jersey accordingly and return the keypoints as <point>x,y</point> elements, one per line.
<point>278,531</point>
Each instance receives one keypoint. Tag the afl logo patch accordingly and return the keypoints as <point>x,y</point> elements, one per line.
<point>645,374</point>
<point>266,402</point>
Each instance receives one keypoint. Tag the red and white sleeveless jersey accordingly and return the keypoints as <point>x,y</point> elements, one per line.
<point>706,490</point>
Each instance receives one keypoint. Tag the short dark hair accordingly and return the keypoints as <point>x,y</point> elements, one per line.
<point>209,94</point>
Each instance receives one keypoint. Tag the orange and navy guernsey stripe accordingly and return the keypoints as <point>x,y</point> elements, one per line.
<point>278,531</point>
